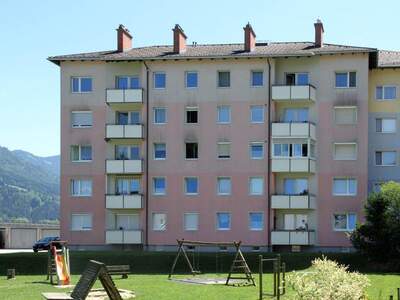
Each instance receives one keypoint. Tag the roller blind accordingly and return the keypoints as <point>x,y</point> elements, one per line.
<point>345,151</point>
<point>345,115</point>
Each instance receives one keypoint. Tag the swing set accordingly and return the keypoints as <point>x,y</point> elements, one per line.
<point>238,265</point>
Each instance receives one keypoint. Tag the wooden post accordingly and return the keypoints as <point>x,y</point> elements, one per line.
<point>260,274</point>
<point>10,273</point>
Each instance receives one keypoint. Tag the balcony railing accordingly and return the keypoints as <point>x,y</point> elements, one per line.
<point>295,130</point>
<point>293,164</point>
<point>293,201</point>
<point>133,201</point>
<point>124,237</point>
<point>128,96</point>
<point>124,131</point>
<point>124,166</point>
<point>292,237</point>
<point>295,93</point>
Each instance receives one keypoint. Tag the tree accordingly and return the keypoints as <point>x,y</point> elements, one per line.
<point>379,236</point>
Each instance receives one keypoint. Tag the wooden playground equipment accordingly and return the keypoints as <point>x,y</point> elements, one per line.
<point>239,264</point>
<point>58,263</point>
<point>279,280</point>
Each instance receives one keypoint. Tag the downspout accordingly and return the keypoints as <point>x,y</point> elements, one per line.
<point>147,157</point>
<point>268,156</point>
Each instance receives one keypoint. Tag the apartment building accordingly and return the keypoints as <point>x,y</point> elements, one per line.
<point>266,143</point>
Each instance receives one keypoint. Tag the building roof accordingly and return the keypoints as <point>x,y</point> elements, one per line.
<point>388,59</point>
<point>277,49</point>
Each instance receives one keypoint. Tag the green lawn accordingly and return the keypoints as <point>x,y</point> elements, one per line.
<point>149,278</point>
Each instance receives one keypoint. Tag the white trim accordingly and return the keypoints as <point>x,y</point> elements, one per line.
<point>80,84</point>
<point>217,223</point>
<point>154,80</point>
<point>154,151</point>
<point>153,186</point>
<point>154,115</point>
<point>348,80</point>
<point>262,222</point>
<point>82,228</point>
<point>344,143</point>
<point>224,87</point>
<point>198,221</point>
<point>230,189</point>
<point>348,194</point>
<point>347,229</point>
<point>81,112</point>
<point>191,108</point>
<point>263,114</point>
<point>229,111</point>
<point>345,107</point>
<point>224,143</point>
<point>79,195</point>
<point>251,78</point>
<point>250,153</point>
<point>387,150</point>
<point>152,220</point>
<point>383,92</point>
<point>185,187</point>
<point>185,79</point>
<point>262,187</point>
<point>80,160</point>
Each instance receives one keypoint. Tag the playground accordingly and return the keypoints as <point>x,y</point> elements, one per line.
<point>148,277</point>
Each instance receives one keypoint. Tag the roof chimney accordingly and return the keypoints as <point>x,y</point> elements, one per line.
<point>319,34</point>
<point>249,38</point>
<point>124,39</point>
<point>179,39</point>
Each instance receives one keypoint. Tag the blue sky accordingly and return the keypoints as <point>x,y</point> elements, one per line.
<point>32,30</point>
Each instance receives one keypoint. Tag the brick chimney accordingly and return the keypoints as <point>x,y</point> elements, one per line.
<point>249,38</point>
<point>124,39</point>
<point>319,34</point>
<point>179,39</point>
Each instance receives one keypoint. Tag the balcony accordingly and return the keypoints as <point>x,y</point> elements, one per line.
<point>124,166</point>
<point>293,202</point>
<point>293,130</point>
<point>124,237</point>
<point>292,237</point>
<point>294,93</point>
<point>293,164</point>
<point>124,96</point>
<point>134,201</point>
<point>124,131</point>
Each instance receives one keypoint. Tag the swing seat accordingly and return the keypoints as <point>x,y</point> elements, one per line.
<point>196,272</point>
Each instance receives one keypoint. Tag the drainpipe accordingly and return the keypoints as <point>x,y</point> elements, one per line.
<point>147,156</point>
<point>268,156</point>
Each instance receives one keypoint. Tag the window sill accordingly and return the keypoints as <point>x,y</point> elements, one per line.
<point>81,161</point>
<point>81,196</point>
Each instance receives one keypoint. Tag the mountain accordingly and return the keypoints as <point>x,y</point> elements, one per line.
<point>29,187</point>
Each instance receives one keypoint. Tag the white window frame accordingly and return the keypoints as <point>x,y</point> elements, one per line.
<point>263,114</point>
<point>80,160</point>
<point>82,228</point>
<point>198,149</point>
<point>154,80</point>
<point>262,220</point>
<point>262,187</point>
<point>349,143</point>
<point>386,132</point>
<point>80,195</point>
<point>347,221</point>
<point>129,77</point>
<point>382,165</point>
<point>185,187</point>
<point>152,221</point>
<point>198,221</point>
<point>153,186</point>
<point>296,77</point>
<point>154,115</point>
<point>345,107</point>
<point>230,190</point>
<point>129,157</point>
<point>81,112</point>
<point>80,84</point>
<point>348,80</point>
<point>348,194</point>
<point>217,223</point>
<point>383,92</point>
<point>191,108</point>
<point>256,144</point>
<point>251,78</point>
<point>191,87</point>
<point>230,154</point>
<point>154,151</point>
<point>230,114</point>
<point>230,79</point>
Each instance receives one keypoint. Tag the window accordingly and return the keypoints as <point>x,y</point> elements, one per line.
<point>127,186</point>
<point>81,153</point>
<point>160,115</point>
<point>295,222</point>
<point>345,115</point>
<point>192,115</point>
<point>224,79</point>
<point>385,158</point>
<point>81,187</point>
<point>191,80</point>
<point>191,185</point>
<point>344,187</point>
<point>256,221</point>
<point>345,79</point>
<point>159,80</point>
<point>281,150</point>
<point>191,221</point>
<point>386,125</point>
<point>377,186</point>
<point>159,221</point>
<point>224,150</point>
<point>295,186</point>
<point>127,82</point>
<point>128,118</point>
<point>345,151</point>
<point>344,222</point>
<point>159,186</point>
<point>295,115</point>
<point>291,150</point>
<point>256,186</point>
<point>224,114</point>
<point>127,221</point>
<point>224,186</point>
<point>257,78</point>
<point>125,152</point>
<point>81,222</point>
<point>81,84</point>
<point>191,150</point>
<point>256,114</point>
<point>223,221</point>
<point>297,78</point>
<point>81,119</point>
<point>385,92</point>
<point>257,150</point>
<point>160,151</point>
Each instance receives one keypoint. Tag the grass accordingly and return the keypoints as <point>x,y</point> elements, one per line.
<point>149,278</point>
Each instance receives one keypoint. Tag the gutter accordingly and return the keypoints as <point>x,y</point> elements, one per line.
<point>269,139</point>
<point>146,244</point>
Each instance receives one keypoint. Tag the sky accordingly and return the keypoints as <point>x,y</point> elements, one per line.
<point>30,31</point>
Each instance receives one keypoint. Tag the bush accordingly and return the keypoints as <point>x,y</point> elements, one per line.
<point>327,280</point>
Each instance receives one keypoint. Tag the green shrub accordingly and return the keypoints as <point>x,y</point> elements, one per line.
<point>327,280</point>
